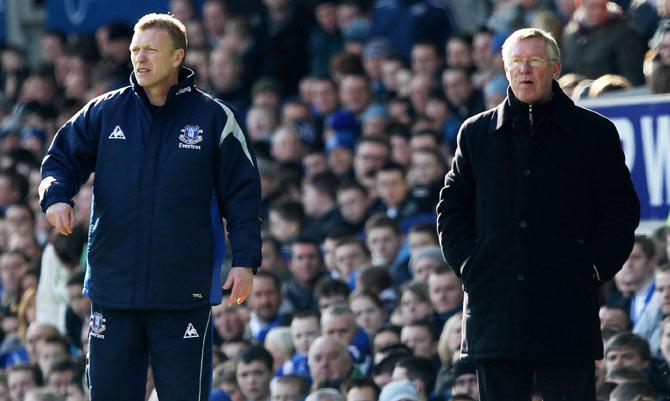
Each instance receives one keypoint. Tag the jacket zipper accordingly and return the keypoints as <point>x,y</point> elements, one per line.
<point>530,115</point>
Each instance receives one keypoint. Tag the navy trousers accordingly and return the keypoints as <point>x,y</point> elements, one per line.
<point>177,343</point>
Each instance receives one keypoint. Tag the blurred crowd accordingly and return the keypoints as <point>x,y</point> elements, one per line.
<point>353,108</point>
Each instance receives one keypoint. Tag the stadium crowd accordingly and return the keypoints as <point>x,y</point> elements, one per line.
<point>353,108</point>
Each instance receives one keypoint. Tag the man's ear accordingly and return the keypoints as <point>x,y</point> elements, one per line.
<point>179,56</point>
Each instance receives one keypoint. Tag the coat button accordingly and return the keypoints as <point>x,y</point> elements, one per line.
<point>520,277</point>
<point>526,172</point>
<point>523,224</point>
<point>580,241</point>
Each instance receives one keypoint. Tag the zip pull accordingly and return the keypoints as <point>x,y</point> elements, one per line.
<point>530,115</point>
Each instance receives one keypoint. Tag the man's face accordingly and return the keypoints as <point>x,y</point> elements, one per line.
<point>613,317</point>
<point>663,291</point>
<point>328,361</point>
<point>12,268</point>
<point>385,339</point>
<point>624,357</point>
<point>595,12</point>
<point>326,302</point>
<point>366,393</point>
<point>418,239</point>
<point>80,303</point>
<point>467,384</point>
<point>227,321</point>
<point>368,159</point>
<point>636,271</point>
<point>284,392</point>
<point>354,94</point>
<point>383,244</point>
<point>312,200</point>
<point>324,96</point>
<point>349,257</point>
<point>446,292</point>
<point>423,267</point>
<point>418,339</point>
<point>458,54</point>
<point>155,61</point>
<point>481,51</point>
<point>392,187</point>
<point>530,71</point>
<point>48,354</point>
<point>303,332</point>
<point>424,60</point>
<point>254,380</point>
<point>305,262</point>
<point>60,381</point>
<point>342,327</point>
<point>457,87</point>
<point>271,260</point>
<point>426,168</point>
<point>353,205</point>
<point>19,384</point>
<point>265,298</point>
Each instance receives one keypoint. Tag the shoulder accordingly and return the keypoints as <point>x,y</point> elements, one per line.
<point>481,122</point>
<point>213,104</point>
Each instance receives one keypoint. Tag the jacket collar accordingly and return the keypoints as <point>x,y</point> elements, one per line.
<point>185,84</point>
<point>560,113</point>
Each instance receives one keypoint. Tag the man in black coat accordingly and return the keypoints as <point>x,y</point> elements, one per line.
<point>538,210</point>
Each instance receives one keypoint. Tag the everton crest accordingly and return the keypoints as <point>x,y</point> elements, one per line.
<point>98,325</point>
<point>190,136</point>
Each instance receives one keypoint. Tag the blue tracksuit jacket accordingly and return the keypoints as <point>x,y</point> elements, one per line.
<point>163,179</point>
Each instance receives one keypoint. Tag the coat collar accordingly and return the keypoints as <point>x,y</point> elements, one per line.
<point>561,114</point>
<point>185,84</point>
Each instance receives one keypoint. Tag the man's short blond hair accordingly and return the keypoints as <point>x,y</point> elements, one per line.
<point>529,33</point>
<point>170,24</point>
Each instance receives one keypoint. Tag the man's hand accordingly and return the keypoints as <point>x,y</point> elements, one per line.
<point>241,279</point>
<point>61,216</point>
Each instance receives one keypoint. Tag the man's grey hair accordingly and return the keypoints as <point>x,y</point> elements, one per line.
<point>325,394</point>
<point>528,33</point>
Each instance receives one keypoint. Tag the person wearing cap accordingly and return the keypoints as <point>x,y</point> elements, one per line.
<point>325,39</point>
<point>375,52</point>
<point>465,380</point>
<point>399,390</point>
<point>170,162</point>
<point>538,211</point>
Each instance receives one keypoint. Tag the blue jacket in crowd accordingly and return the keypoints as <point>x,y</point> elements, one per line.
<point>163,177</point>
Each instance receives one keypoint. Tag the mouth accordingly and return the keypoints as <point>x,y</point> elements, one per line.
<point>142,70</point>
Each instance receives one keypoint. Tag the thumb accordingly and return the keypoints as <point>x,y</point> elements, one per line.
<point>229,282</point>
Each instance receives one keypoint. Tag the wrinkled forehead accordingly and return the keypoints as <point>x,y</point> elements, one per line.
<point>528,47</point>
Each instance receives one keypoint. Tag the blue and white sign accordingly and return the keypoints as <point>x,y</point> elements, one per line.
<point>643,123</point>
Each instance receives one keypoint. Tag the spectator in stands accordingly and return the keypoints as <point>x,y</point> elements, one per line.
<point>279,344</point>
<point>265,299</point>
<point>330,292</point>
<point>50,351</point>
<point>424,261</point>
<point>214,16</point>
<point>426,59</point>
<point>368,311</point>
<point>363,389</point>
<point>225,78</point>
<point>63,380</point>
<point>254,372</point>
<point>599,40</point>
<point>420,338</point>
<point>384,240</point>
<point>419,371</point>
<point>614,316</point>
<point>636,277</point>
<point>227,322</point>
<point>609,83</point>
<point>627,349</point>
<point>446,294</point>
<point>464,99</point>
<point>415,302</point>
<point>288,145</point>
<point>354,205</point>
<point>288,388</point>
<point>372,152</point>
<point>79,308</point>
<point>21,379</point>
<point>650,324</point>
<point>318,198</point>
<point>393,190</point>
<point>286,220</point>
<point>465,380</point>
<point>657,68</point>
<point>305,328</point>
<point>338,321</point>
<point>306,266</point>
<point>351,256</point>
<point>632,391</point>
<point>494,307</point>
<point>355,93</point>
<point>459,52</point>
<point>421,235</point>
<point>329,360</point>
<point>399,390</point>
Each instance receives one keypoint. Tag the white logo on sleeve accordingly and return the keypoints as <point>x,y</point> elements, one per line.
<point>117,133</point>
<point>191,332</point>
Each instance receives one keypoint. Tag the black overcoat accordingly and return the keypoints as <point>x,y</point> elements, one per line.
<point>533,236</point>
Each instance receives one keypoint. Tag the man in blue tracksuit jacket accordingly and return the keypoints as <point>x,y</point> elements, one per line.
<point>169,162</point>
